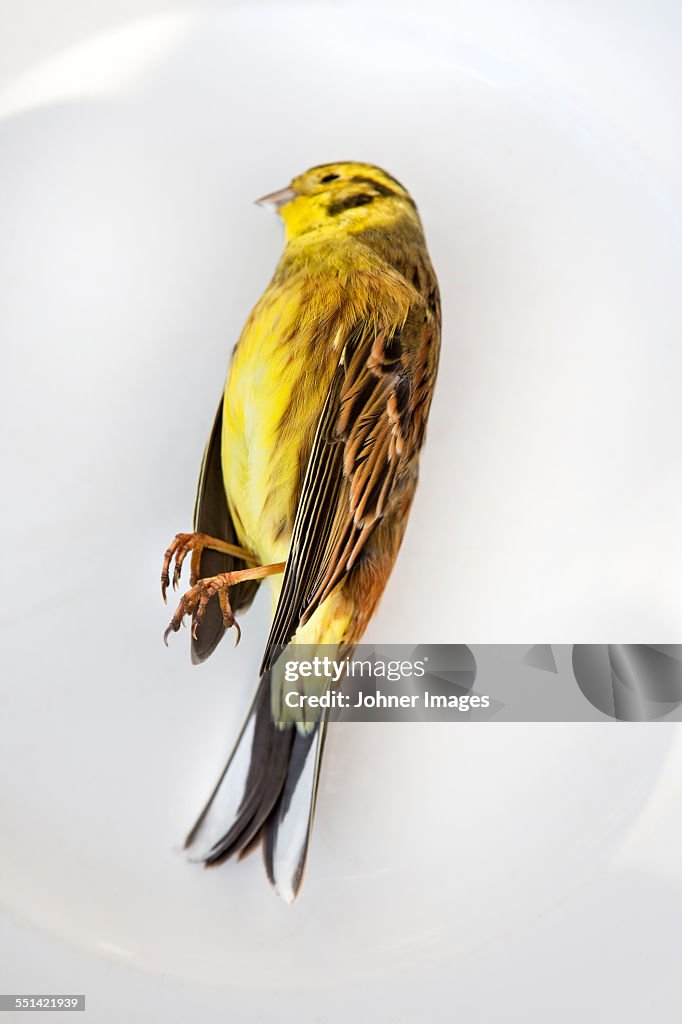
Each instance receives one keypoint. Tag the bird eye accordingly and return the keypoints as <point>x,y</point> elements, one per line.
<point>328,177</point>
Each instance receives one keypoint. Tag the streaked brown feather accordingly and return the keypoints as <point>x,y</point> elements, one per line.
<point>365,449</point>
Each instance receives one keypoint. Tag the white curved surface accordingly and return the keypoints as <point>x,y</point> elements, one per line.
<point>449,867</point>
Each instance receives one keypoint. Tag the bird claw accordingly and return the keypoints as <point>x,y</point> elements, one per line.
<point>228,615</point>
<point>179,548</point>
<point>196,599</point>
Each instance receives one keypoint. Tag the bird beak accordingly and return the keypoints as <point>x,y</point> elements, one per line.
<point>276,200</point>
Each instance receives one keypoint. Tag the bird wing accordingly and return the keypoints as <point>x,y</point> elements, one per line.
<point>370,430</point>
<point>212,516</point>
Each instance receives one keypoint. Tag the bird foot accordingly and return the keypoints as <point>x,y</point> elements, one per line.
<point>180,547</point>
<point>195,600</point>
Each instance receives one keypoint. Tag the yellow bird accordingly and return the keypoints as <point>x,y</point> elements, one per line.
<point>308,477</point>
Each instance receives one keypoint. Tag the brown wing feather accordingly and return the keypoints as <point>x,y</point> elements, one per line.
<point>368,437</point>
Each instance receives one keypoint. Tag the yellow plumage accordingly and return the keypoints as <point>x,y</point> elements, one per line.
<point>259,470</point>
<point>262,462</point>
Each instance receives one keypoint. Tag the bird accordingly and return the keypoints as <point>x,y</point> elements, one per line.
<point>307,480</point>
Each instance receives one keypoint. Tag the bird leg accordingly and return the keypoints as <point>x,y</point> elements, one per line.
<point>195,600</point>
<point>195,542</point>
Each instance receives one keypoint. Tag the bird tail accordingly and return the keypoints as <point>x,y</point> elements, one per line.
<point>266,792</point>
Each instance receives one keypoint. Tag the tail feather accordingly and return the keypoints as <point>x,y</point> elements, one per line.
<point>267,790</point>
<point>287,833</point>
<point>225,800</point>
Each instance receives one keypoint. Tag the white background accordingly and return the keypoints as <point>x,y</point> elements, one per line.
<point>466,872</point>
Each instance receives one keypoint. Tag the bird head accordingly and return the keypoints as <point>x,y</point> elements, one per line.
<point>343,196</point>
